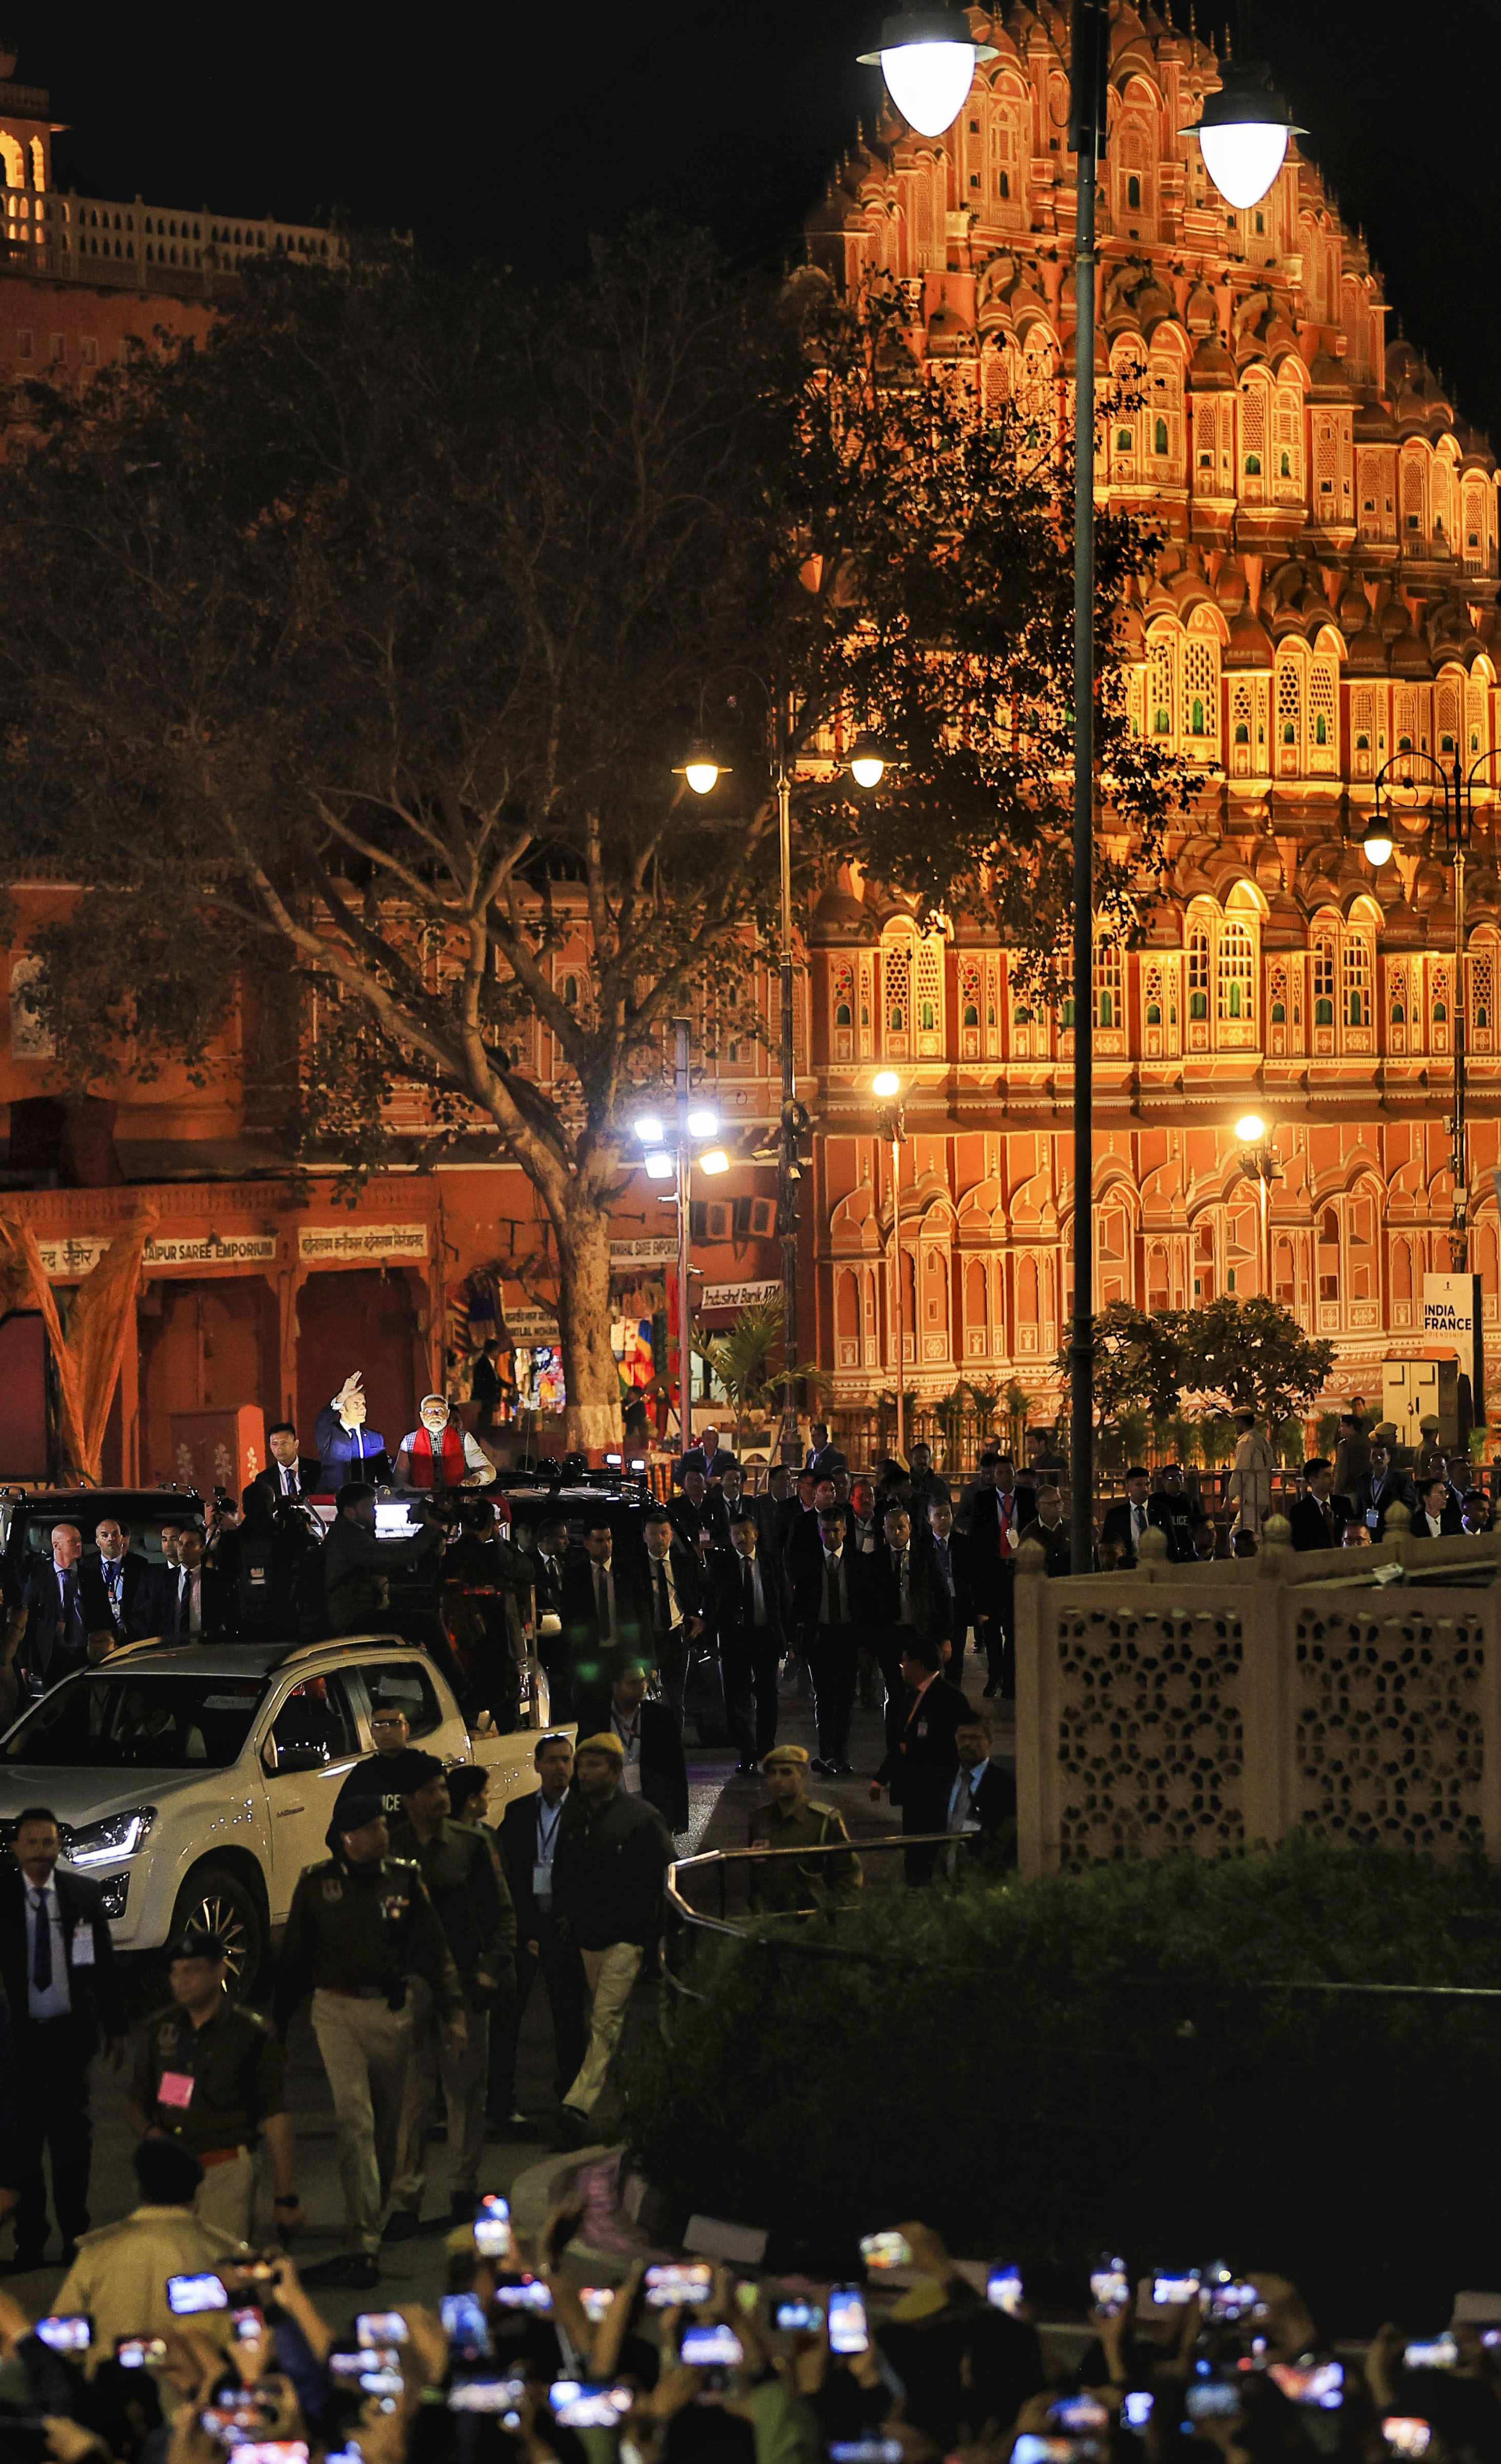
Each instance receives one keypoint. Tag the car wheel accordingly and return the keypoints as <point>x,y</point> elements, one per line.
<point>218,1900</point>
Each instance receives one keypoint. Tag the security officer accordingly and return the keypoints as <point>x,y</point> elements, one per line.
<point>209,2073</point>
<point>359,1925</point>
<point>783,1885</point>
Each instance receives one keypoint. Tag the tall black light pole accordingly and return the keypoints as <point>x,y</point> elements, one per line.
<point>1090,36</point>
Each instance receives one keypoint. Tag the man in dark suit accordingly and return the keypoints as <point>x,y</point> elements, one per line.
<point>1174,1511</point>
<point>1382,1487</point>
<point>528,1837</point>
<point>348,1448</point>
<point>689,1513</point>
<point>826,1610</point>
<point>923,1717</point>
<point>676,1606</point>
<point>119,1587</point>
<point>651,1738</point>
<point>288,1474</point>
<point>982,1800</point>
<point>770,1510</point>
<point>752,1612</point>
<point>823,1457</point>
<point>1438,1510</point>
<point>998,1510</point>
<point>200,1601</point>
<point>894,1596</point>
<point>1050,1532</point>
<point>56,1635</point>
<point>604,1609</point>
<point>547,1561</point>
<point>951,1587</point>
<point>1127,1520</point>
<point>57,1967</point>
<point>1318,1518</point>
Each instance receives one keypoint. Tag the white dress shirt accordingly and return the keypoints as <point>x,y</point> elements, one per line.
<point>56,2002</point>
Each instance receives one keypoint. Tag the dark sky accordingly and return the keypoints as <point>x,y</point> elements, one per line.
<point>513,132</point>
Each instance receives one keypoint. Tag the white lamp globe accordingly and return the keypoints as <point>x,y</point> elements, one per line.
<point>1378,843</point>
<point>1243,133</point>
<point>1250,1129</point>
<point>927,57</point>
<point>1243,158</point>
<point>886,1084</point>
<point>868,769</point>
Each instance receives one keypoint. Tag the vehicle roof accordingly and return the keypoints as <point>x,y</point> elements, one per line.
<point>146,1505</point>
<point>243,1658</point>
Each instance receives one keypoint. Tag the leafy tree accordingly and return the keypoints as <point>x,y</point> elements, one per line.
<point>1136,1354</point>
<point>748,1359</point>
<point>348,659</point>
<point>1252,1355</point>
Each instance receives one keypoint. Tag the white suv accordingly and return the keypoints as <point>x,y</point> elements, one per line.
<point>198,1779</point>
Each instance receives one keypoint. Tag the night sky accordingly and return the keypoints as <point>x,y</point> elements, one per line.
<point>521,130</point>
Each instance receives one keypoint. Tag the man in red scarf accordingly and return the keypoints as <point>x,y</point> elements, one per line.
<point>440,1455</point>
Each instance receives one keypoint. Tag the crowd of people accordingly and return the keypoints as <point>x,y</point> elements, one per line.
<point>170,2346</point>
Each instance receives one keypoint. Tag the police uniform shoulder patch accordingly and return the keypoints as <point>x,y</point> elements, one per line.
<point>829,1813</point>
<point>333,1886</point>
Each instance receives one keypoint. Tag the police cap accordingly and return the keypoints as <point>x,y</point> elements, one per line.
<point>403,1773</point>
<point>198,1942</point>
<point>785,1758</point>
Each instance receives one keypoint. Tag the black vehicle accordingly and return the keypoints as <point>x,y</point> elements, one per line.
<point>26,1517</point>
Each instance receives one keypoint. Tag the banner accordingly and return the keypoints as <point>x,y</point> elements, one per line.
<point>69,1259</point>
<point>1451,1315</point>
<point>321,1241</point>
<point>722,1297</point>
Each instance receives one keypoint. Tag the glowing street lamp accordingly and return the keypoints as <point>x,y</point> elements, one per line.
<point>670,1156</point>
<point>1261,1163</point>
<point>702,1122</point>
<point>928,57</point>
<point>702,767</point>
<point>1244,132</point>
<point>869,760</point>
<point>1376,843</point>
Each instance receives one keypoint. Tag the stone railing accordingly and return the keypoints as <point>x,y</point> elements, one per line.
<point>138,247</point>
<point>1209,1707</point>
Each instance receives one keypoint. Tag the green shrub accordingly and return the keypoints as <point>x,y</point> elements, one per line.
<point>1062,2066</point>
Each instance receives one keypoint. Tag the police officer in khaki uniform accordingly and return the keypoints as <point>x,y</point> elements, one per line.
<point>209,2074</point>
<point>783,1885</point>
<point>359,1925</point>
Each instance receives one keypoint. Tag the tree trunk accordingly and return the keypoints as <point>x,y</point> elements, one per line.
<point>591,1419</point>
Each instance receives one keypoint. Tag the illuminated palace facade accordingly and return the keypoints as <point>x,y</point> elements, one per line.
<point>1326,599</point>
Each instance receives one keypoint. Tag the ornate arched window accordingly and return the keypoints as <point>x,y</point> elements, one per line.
<point>1324,981</point>
<point>1236,972</point>
<point>1109,1011</point>
<point>1199,972</point>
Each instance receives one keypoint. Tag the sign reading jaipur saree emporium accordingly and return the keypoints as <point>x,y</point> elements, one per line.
<point>321,1241</point>
<point>69,1261</point>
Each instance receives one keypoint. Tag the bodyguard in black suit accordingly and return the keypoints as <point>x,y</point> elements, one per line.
<point>545,1563</point>
<point>675,1605</point>
<point>651,1737</point>
<point>825,1610</point>
<point>982,1800</point>
<point>1437,1504</point>
<point>689,1513</point>
<point>528,1836</point>
<point>288,1474</point>
<point>1383,1487</point>
<point>194,1589</point>
<point>998,1510</point>
<point>57,1967</point>
<point>602,1608</point>
<point>1318,1518</point>
<point>56,1635</point>
<point>922,1721</point>
<point>895,1594</point>
<point>951,1586</point>
<point>1129,1519</point>
<point>752,1612</point>
<point>119,1586</point>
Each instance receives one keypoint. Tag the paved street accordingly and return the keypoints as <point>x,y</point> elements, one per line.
<point>721,1805</point>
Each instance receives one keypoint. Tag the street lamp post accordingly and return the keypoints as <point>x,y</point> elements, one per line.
<point>1451,831</point>
<point>664,1162</point>
<point>1259,1162</point>
<point>892,1128</point>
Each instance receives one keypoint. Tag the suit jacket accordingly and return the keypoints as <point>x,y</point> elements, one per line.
<point>219,1603</point>
<point>1449,1520</point>
<point>993,1805</point>
<point>993,1573</point>
<point>55,1641</point>
<point>664,1773</point>
<point>952,1610</point>
<point>807,1585</point>
<point>140,1593</point>
<point>689,1520</point>
<point>689,1582</point>
<point>921,1756</point>
<point>580,1615</point>
<point>1060,1559</point>
<point>1117,1524</point>
<point>769,1527</point>
<point>1180,1517</point>
<point>1309,1530</point>
<point>727,1588</point>
<point>1372,1498</point>
<point>348,1454</point>
<point>94,1991</point>
<point>518,1836</point>
<point>1352,1463</point>
<point>880,1591</point>
<point>309,1472</point>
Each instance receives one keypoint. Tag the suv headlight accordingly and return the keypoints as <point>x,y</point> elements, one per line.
<point>118,1835</point>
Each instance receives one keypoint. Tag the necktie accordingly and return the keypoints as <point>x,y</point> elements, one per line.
<point>42,1957</point>
<point>181,1599</point>
<point>834,1570</point>
<point>747,1592</point>
<point>664,1615</point>
<point>602,1601</point>
<point>289,1481</point>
